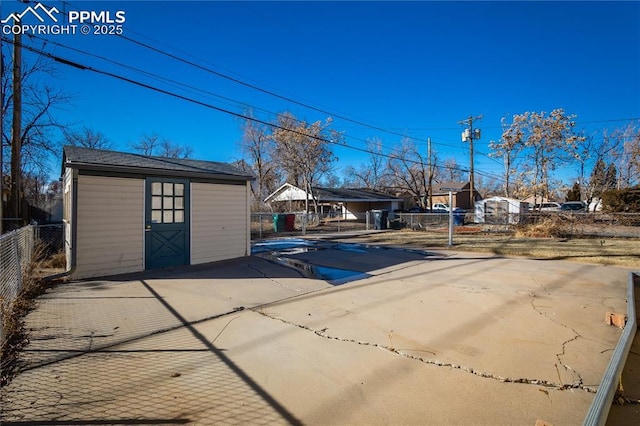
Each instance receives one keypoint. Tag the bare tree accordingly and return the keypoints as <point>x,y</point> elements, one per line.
<point>257,147</point>
<point>40,100</point>
<point>304,151</point>
<point>331,180</point>
<point>147,144</point>
<point>450,171</point>
<point>508,148</point>
<point>547,140</point>
<point>87,138</point>
<point>169,149</point>
<point>371,175</point>
<point>153,145</point>
<point>409,171</point>
<point>488,186</point>
<point>626,154</point>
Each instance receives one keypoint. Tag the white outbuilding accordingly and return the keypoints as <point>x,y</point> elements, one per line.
<point>127,212</point>
<point>500,210</point>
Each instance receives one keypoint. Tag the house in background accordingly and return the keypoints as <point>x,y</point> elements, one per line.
<point>345,203</point>
<point>126,212</point>
<point>460,193</point>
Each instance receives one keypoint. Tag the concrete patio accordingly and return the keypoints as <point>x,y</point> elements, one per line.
<point>425,339</point>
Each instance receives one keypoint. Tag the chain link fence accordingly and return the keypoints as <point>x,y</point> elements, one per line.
<point>264,225</point>
<point>566,224</point>
<point>16,253</point>
<point>50,239</point>
<point>569,224</point>
<point>424,221</point>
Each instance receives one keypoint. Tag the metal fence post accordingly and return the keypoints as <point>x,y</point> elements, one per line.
<point>16,253</point>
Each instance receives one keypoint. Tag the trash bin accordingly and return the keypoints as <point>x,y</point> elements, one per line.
<point>458,217</point>
<point>289,223</point>
<point>380,219</point>
<point>279,222</point>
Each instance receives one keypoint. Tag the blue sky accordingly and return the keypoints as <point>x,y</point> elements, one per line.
<point>413,68</point>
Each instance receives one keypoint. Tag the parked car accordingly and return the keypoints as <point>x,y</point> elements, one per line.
<point>440,206</point>
<point>415,210</point>
<point>546,207</point>
<point>573,206</point>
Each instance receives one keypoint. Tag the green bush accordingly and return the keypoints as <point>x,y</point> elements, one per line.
<point>625,200</point>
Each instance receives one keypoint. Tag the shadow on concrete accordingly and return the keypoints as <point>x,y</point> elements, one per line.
<point>152,373</point>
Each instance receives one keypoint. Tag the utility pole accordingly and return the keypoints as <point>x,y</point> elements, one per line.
<point>16,130</point>
<point>1,137</point>
<point>430,189</point>
<point>469,135</point>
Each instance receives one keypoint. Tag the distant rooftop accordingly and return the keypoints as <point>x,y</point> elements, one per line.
<point>288,192</point>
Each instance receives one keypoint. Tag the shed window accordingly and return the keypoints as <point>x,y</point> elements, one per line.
<point>167,202</point>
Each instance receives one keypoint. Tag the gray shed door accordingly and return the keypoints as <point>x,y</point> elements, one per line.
<point>166,223</point>
<point>496,212</point>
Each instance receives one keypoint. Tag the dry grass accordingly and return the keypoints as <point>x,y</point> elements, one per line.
<point>13,314</point>
<point>15,335</point>
<point>56,261</point>
<point>549,227</point>
<point>606,251</point>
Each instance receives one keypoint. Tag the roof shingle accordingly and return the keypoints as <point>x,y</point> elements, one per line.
<point>103,160</point>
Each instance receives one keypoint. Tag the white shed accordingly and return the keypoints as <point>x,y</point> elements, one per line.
<point>126,212</point>
<point>500,210</point>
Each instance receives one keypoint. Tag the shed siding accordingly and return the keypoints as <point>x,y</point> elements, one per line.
<point>110,223</point>
<point>218,222</point>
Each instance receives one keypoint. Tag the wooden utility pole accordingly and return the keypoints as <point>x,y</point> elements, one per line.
<point>430,189</point>
<point>469,135</point>
<point>1,138</point>
<point>16,130</point>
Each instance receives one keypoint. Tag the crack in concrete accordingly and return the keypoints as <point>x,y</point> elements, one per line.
<point>537,382</point>
<point>577,378</point>
<point>281,284</point>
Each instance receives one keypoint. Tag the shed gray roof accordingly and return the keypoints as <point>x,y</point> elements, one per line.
<point>443,187</point>
<point>125,162</point>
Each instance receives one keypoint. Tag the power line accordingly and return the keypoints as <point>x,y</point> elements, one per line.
<point>158,77</point>
<point>174,82</point>
<point>192,88</point>
<point>268,92</point>
<point>260,89</point>
<point>223,110</point>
